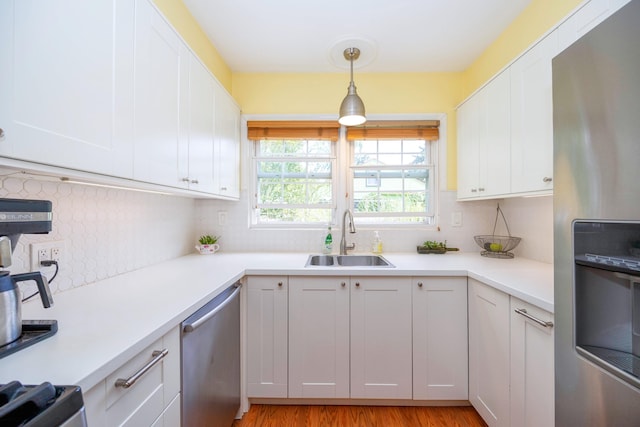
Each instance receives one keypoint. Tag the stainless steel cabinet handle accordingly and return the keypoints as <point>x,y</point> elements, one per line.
<point>1,133</point>
<point>473,190</point>
<point>547,179</point>
<point>223,188</point>
<point>158,355</point>
<point>185,179</point>
<point>419,284</point>
<point>480,189</point>
<point>195,325</point>
<point>523,312</point>
<point>194,181</point>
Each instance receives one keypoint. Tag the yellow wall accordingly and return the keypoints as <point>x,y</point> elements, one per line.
<point>182,20</point>
<point>282,93</point>
<point>539,17</point>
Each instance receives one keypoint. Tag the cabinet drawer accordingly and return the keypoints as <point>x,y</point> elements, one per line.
<point>142,403</point>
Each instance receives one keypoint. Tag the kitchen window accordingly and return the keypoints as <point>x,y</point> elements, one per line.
<point>386,176</point>
<point>294,164</point>
<point>393,173</point>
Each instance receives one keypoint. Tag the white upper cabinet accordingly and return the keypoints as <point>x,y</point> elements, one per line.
<point>483,141</point>
<point>198,167</point>
<point>66,92</point>
<point>227,145</point>
<point>161,87</point>
<point>585,19</point>
<point>532,118</point>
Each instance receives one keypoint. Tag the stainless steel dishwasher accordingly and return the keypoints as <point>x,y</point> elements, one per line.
<point>211,362</point>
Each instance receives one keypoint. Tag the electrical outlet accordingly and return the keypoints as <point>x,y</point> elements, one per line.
<point>46,251</point>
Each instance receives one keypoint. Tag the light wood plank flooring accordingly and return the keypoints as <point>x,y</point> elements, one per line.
<point>359,416</point>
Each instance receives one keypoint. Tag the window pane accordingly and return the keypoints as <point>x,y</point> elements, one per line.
<point>395,187</point>
<point>269,169</point>
<point>322,148</point>
<point>293,216</point>
<point>269,191</point>
<point>320,193</point>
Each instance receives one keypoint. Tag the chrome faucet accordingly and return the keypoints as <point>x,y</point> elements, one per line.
<point>352,229</point>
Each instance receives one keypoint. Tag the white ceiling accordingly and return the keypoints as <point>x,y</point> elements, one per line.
<point>394,35</point>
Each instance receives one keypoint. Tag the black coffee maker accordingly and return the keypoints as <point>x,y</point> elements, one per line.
<point>18,216</point>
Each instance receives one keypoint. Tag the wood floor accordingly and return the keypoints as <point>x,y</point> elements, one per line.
<point>359,416</point>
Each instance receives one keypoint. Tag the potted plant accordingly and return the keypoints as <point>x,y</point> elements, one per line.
<point>208,244</point>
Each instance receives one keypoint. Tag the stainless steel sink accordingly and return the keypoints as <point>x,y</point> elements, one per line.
<point>347,261</point>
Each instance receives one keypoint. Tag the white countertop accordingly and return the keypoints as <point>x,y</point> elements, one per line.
<point>104,324</point>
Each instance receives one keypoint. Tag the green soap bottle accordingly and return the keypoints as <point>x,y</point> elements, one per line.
<point>328,242</point>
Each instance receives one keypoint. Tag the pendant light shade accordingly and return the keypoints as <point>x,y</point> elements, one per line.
<point>352,108</point>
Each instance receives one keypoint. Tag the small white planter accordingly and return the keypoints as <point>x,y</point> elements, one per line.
<point>208,249</point>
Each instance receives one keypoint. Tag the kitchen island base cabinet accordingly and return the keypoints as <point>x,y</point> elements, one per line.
<point>319,337</point>
<point>489,353</point>
<point>532,366</point>
<point>151,400</point>
<point>381,338</point>
<point>440,343</point>
<point>267,336</point>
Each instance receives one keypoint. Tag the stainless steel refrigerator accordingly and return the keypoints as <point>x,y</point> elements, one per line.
<point>596,114</point>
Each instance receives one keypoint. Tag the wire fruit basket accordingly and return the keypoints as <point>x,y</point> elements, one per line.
<point>495,246</point>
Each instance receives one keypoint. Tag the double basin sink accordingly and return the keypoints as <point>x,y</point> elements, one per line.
<point>347,261</point>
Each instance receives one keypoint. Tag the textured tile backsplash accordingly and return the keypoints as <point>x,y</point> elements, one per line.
<point>106,231</point>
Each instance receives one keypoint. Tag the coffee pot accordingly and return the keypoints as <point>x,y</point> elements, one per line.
<point>17,217</point>
<point>11,304</point>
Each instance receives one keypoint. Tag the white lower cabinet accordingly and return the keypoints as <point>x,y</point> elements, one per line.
<point>267,335</point>
<point>319,337</point>
<point>440,342</point>
<point>532,367</point>
<point>489,353</point>
<point>511,369</point>
<point>381,338</point>
<point>151,400</point>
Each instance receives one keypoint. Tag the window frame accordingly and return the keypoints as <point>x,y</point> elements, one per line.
<point>341,180</point>
<point>432,191</point>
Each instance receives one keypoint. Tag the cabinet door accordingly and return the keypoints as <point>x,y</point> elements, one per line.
<point>489,353</point>
<point>199,171</point>
<point>494,137</point>
<point>66,92</point>
<point>381,338</point>
<point>468,149</point>
<point>267,336</point>
<point>319,337</point>
<point>532,367</point>
<point>532,118</point>
<point>585,19</point>
<point>227,145</point>
<point>440,350</point>
<point>484,141</point>
<point>161,82</point>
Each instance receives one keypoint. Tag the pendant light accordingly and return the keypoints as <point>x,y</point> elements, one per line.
<point>352,107</point>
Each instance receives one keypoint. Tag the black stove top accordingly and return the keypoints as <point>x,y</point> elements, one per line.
<point>33,331</point>
<point>41,405</point>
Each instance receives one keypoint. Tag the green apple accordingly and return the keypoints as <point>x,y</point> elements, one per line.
<point>495,247</point>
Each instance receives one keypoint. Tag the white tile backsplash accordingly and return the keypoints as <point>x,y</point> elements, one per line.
<point>529,218</point>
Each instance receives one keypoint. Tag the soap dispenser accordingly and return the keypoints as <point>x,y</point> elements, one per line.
<point>377,243</point>
<point>327,247</point>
